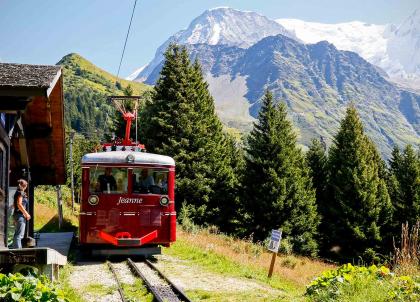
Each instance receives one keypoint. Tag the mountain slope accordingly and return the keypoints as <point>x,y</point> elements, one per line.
<point>86,88</point>
<point>316,81</point>
<point>222,26</point>
<point>79,72</point>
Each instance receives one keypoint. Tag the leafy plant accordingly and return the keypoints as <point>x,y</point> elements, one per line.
<point>16,287</point>
<point>349,280</point>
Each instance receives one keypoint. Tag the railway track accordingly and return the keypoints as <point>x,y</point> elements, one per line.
<point>162,289</point>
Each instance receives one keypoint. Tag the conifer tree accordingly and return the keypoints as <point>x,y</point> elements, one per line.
<point>181,122</point>
<point>317,161</point>
<point>359,207</point>
<point>277,181</point>
<point>405,192</point>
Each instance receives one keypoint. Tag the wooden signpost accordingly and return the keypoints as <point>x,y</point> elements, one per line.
<point>273,246</point>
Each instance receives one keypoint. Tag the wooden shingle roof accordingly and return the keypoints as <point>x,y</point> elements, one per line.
<point>27,80</point>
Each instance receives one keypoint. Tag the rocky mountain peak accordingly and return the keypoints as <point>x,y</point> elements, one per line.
<point>220,26</point>
<point>231,27</point>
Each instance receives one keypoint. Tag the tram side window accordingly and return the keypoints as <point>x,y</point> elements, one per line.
<point>108,180</point>
<point>150,181</point>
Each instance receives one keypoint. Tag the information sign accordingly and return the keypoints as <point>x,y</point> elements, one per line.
<point>274,243</point>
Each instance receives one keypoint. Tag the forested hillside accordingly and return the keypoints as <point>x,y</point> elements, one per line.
<point>86,88</point>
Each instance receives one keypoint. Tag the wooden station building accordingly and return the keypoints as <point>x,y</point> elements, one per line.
<point>32,144</point>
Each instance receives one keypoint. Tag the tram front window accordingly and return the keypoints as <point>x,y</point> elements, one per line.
<point>150,181</point>
<point>108,180</point>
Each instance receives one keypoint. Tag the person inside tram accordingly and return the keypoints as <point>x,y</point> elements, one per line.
<point>163,182</point>
<point>107,182</point>
<point>146,180</point>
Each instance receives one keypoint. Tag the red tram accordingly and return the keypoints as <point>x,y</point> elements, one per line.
<point>127,204</point>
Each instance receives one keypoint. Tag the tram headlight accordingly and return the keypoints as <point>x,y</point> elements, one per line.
<point>93,200</point>
<point>130,158</point>
<point>164,201</point>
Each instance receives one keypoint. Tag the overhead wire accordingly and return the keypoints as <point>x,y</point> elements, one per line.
<point>126,39</point>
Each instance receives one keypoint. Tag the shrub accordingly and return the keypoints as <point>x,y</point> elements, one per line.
<point>350,283</point>
<point>16,287</point>
<point>289,262</point>
<point>286,247</point>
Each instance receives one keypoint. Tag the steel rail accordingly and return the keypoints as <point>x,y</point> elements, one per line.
<point>114,273</point>
<point>138,273</point>
<point>176,289</point>
<point>178,292</point>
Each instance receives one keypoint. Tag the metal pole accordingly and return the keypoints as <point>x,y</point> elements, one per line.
<point>72,133</point>
<point>137,111</point>
<point>59,206</point>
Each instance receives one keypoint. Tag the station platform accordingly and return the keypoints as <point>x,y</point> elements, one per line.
<point>50,253</point>
<point>57,241</point>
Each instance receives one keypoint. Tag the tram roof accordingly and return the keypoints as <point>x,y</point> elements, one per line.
<point>120,157</point>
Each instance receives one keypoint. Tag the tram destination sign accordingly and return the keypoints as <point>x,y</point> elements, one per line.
<point>275,239</point>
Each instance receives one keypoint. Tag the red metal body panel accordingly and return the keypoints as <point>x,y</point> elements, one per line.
<point>138,217</point>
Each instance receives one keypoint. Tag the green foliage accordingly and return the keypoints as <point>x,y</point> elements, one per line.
<point>81,146</point>
<point>405,186</point>
<point>359,283</point>
<point>316,158</point>
<point>16,287</point>
<point>359,206</point>
<point>47,220</point>
<point>180,121</point>
<point>278,188</point>
<point>128,91</point>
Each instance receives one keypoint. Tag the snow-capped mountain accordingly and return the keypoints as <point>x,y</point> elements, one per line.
<point>244,53</point>
<point>403,50</point>
<point>135,73</point>
<point>368,40</point>
<point>395,49</point>
<point>222,25</point>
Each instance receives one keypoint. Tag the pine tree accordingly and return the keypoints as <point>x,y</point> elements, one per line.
<point>360,207</point>
<point>317,161</point>
<point>277,181</point>
<point>181,122</point>
<point>405,192</point>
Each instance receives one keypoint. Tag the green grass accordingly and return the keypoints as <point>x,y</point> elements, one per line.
<point>99,289</point>
<point>219,264</point>
<point>137,292</point>
<point>46,213</point>
<point>201,295</point>
<point>70,293</point>
<point>94,77</point>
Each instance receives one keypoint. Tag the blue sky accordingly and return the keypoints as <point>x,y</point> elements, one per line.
<point>43,31</point>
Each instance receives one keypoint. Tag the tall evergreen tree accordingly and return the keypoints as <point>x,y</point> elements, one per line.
<point>181,122</point>
<point>405,192</point>
<point>277,181</point>
<point>317,161</point>
<point>359,207</point>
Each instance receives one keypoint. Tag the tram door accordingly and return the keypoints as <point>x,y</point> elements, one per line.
<point>3,188</point>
